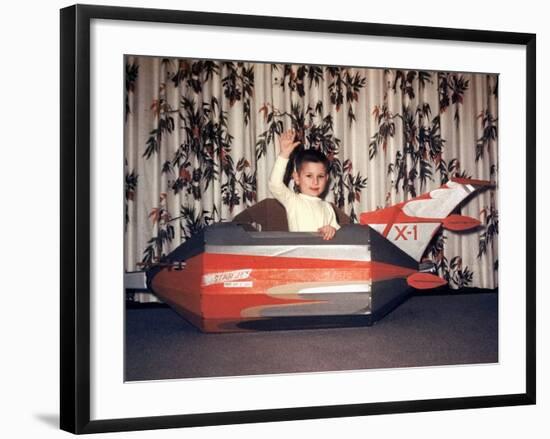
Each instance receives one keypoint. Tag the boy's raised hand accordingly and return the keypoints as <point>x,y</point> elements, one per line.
<point>287,143</point>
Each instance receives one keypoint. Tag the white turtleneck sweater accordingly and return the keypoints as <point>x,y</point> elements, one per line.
<point>304,213</point>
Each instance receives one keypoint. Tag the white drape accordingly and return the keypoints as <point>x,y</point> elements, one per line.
<point>199,147</point>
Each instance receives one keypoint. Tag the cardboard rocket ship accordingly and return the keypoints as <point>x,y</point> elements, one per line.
<point>228,279</point>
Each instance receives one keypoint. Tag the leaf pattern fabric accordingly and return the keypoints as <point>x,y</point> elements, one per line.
<point>200,144</point>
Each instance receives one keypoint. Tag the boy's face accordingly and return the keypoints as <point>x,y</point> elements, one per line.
<point>312,178</point>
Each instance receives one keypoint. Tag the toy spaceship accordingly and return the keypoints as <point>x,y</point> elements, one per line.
<point>226,278</point>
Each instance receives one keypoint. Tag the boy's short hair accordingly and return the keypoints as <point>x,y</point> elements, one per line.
<point>310,155</point>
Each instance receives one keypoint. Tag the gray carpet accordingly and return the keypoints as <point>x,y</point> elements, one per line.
<point>426,330</point>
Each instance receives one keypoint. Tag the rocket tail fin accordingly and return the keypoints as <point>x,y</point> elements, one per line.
<point>412,224</point>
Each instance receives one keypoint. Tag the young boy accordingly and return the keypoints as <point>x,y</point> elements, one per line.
<point>305,211</point>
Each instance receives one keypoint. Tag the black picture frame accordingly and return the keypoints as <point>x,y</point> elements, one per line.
<point>75,217</point>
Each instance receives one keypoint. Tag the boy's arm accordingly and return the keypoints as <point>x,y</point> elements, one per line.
<point>329,230</point>
<point>332,217</point>
<point>276,185</point>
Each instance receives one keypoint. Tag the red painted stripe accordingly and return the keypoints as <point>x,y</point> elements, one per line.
<point>425,281</point>
<point>184,288</point>
<point>460,222</point>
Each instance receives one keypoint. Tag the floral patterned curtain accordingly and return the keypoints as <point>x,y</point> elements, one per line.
<point>200,144</point>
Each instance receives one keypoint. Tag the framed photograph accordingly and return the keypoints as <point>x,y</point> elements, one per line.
<point>172,126</point>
